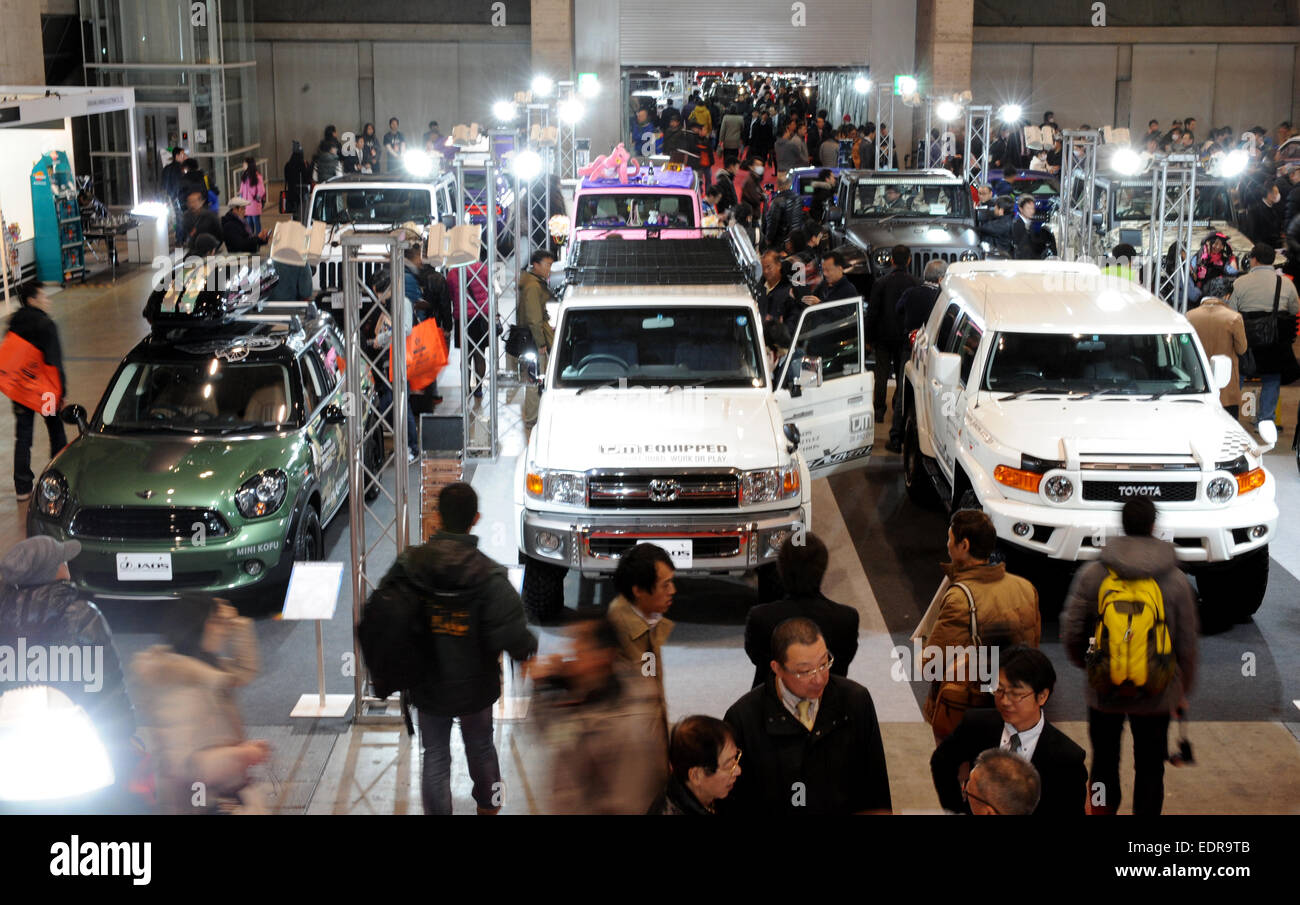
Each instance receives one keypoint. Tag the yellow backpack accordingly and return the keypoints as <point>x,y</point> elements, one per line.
<point>1131,654</point>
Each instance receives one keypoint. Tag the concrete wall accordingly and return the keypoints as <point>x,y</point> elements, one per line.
<point>22,55</point>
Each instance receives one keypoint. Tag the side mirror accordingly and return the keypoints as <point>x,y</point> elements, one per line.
<point>809,373</point>
<point>947,368</point>
<point>833,214</point>
<point>333,415</point>
<point>73,414</point>
<point>792,436</point>
<point>1222,365</point>
<point>1267,433</point>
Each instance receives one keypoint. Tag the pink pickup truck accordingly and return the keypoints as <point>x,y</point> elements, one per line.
<point>655,201</point>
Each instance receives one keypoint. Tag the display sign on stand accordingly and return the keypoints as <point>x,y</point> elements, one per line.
<point>313,594</point>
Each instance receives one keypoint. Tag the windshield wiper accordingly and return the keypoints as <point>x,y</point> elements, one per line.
<point>1018,393</point>
<point>1101,392</point>
<point>712,381</point>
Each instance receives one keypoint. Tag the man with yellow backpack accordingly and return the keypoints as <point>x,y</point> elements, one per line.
<point>1130,622</point>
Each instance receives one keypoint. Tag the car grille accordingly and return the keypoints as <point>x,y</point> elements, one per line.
<point>1119,491</point>
<point>330,272</point>
<point>721,547</point>
<point>179,581</point>
<point>923,257</point>
<point>147,523</point>
<point>682,491</point>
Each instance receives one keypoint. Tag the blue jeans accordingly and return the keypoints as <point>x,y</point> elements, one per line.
<point>480,752</point>
<point>1269,390</point>
<point>255,223</point>
<point>384,403</point>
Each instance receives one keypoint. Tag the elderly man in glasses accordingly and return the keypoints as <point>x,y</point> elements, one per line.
<point>811,740</point>
<point>1003,784</point>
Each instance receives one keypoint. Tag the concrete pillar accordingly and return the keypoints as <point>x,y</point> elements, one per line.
<point>552,37</point>
<point>596,50</point>
<point>944,40</point>
<point>22,53</point>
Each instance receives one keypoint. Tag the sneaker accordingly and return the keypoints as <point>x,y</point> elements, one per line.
<point>411,457</point>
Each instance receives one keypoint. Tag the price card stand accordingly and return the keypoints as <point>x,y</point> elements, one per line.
<point>313,594</point>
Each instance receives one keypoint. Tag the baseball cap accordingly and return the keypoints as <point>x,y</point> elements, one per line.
<point>35,560</point>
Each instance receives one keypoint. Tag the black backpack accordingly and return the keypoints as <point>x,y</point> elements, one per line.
<point>394,634</point>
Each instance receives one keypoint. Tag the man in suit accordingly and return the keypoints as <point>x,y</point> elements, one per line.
<point>802,567</point>
<point>1029,245</point>
<point>1025,682</point>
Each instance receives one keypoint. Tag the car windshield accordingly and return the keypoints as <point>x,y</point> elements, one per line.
<point>1133,202</point>
<point>371,204</point>
<point>206,396</point>
<point>639,209</point>
<point>660,346</point>
<point>884,198</point>
<point>1044,187</point>
<point>1121,364</point>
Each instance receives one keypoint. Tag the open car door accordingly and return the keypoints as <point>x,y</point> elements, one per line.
<point>825,390</point>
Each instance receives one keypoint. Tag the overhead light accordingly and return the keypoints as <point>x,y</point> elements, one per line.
<point>862,84</point>
<point>571,110</point>
<point>417,163</point>
<point>947,110</point>
<point>543,85</point>
<point>527,165</point>
<point>1126,162</point>
<point>1234,163</point>
<point>907,85</point>
<point>1010,113</point>
<point>504,111</point>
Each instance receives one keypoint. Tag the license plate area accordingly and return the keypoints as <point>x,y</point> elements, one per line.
<point>144,567</point>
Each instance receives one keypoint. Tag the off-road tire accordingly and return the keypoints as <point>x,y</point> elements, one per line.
<point>543,592</point>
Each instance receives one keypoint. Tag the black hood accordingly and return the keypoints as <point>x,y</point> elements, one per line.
<point>449,562</point>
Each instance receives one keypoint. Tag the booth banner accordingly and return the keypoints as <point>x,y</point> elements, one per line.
<point>426,355</point>
<point>26,378</point>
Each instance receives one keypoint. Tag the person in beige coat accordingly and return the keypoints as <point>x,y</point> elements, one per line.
<point>1006,613</point>
<point>531,314</point>
<point>202,756</point>
<point>1222,332</point>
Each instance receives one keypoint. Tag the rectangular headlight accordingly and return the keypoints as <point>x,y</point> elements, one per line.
<point>569,487</point>
<point>767,485</point>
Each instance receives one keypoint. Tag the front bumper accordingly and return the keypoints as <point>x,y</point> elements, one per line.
<point>1078,535</point>
<point>216,566</point>
<point>592,544</point>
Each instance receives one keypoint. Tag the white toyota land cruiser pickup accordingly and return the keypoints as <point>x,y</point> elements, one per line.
<point>660,421</point>
<point>1047,395</point>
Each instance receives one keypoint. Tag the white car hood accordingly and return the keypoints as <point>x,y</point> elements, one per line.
<point>635,428</point>
<point>1115,427</point>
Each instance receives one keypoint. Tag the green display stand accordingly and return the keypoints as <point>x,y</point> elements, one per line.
<point>60,246</point>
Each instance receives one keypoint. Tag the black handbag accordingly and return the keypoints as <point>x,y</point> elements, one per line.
<point>519,341</point>
<point>1261,326</point>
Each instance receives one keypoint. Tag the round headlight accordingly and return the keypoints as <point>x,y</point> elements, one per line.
<point>1058,488</point>
<point>969,256</point>
<point>51,494</point>
<point>1220,490</point>
<point>262,494</point>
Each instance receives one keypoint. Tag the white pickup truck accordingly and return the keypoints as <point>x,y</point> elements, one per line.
<point>1047,395</point>
<point>661,422</point>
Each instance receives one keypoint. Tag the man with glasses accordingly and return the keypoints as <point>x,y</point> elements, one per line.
<point>811,739</point>
<point>1025,682</point>
<point>1004,784</point>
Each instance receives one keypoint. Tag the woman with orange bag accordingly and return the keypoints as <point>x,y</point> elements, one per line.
<point>31,375</point>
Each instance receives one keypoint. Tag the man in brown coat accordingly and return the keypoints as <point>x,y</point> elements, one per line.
<point>1222,332</point>
<point>644,580</point>
<point>532,315</point>
<point>1006,613</point>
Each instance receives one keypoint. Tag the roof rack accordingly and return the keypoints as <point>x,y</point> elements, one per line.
<point>212,292</point>
<point>662,262</point>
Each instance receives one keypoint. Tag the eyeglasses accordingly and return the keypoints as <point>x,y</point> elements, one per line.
<point>973,797</point>
<point>1013,698</point>
<point>732,765</point>
<point>810,673</point>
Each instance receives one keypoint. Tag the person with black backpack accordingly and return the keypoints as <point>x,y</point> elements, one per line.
<point>434,628</point>
<point>1130,622</point>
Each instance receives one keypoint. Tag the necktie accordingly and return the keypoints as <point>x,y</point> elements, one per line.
<point>1015,743</point>
<point>803,707</point>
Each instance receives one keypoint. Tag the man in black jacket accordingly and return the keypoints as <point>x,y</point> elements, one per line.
<point>474,614</point>
<point>784,214</point>
<point>726,184</point>
<point>201,227</point>
<point>811,739</point>
<point>834,287</point>
<point>998,230</point>
<point>778,304</point>
<point>1025,682</point>
<point>802,567</point>
<point>40,604</point>
<point>32,323</point>
<point>235,232</point>
<point>885,333</point>
<point>1029,245</point>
